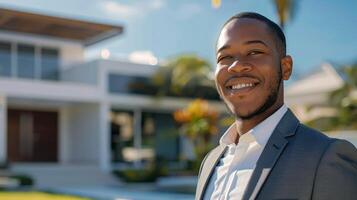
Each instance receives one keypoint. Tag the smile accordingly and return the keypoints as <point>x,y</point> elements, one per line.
<point>240,86</point>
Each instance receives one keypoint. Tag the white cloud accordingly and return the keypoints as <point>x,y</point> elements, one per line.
<point>143,57</point>
<point>156,4</point>
<point>114,8</point>
<point>189,10</point>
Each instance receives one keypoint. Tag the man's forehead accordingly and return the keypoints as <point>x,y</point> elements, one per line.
<point>245,29</point>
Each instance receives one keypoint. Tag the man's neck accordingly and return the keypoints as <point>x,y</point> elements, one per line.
<point>244,125</point>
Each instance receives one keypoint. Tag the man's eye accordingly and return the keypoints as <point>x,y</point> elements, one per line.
<point>254,53</point>
<point>224,58</point>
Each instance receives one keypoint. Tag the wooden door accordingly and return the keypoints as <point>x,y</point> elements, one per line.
<point>32,136</point>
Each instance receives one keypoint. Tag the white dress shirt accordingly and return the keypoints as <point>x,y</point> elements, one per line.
<point>233,172</point>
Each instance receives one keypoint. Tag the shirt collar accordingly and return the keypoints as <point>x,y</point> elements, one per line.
<point>260,133</point>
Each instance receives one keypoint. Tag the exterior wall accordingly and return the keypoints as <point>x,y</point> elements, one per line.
<point>84,131</point>
<point>3,129</point>
<point>48,90</point>
<point>76,73</point>
<point>105,67</point>
<point>164,103</point>
<point>126,68</point>
<point>71,54</point>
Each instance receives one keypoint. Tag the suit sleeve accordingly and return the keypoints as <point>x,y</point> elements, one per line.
<point>336,176</point>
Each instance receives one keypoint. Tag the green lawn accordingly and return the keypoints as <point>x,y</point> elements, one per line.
<point>5,195</point>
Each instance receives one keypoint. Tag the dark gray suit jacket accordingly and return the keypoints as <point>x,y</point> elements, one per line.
<point>296,163</point>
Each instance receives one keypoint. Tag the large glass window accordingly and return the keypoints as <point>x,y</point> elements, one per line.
<point>26,61</point>
<point>119,83</point>
<point>49,64</point>
<point>157,138</point>
<point>122,136</point>
<point>5,59</point>
<point>160,136</point>
<point>124,84</point>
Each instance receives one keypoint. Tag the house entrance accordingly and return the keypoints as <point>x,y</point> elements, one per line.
<point>32,136</point>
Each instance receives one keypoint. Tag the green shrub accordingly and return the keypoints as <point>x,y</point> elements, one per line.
<point>24,180</point>
<point>149,174</point>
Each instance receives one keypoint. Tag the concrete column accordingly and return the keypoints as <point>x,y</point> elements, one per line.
<point>137,133</point>
<point>104,138</point>
<point>3,129</point>
<point>64,138</point>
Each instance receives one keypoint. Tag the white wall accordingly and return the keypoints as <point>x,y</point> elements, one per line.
<point>3,130</point>
<point>71,54</point>
<point>83,133</point>
<point>81,73</point>
<point>49,90</point>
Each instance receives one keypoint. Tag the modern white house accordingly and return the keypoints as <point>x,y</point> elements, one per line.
<point>61,116</point>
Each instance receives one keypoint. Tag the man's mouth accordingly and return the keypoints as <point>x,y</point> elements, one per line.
<point>241,87</point>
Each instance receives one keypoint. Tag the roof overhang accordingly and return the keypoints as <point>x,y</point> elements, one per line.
<point>86,32</point>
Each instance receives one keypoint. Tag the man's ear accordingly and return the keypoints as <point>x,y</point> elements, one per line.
<point>286,64</point>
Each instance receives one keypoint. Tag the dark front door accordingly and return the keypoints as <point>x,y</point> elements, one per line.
<point>32,136</point>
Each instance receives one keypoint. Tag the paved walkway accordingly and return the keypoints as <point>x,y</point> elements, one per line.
<point>139,192</point>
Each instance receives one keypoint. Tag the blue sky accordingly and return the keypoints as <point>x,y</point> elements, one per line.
<point>322,30</point>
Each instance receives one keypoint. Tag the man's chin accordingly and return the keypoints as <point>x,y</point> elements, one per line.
<point>245,116</point>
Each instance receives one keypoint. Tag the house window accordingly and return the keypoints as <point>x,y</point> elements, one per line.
<point>159,136</point>
<point>25,61</point>
<point>49,64</point>
<point>28,61</point>
<point>5,59</point>
<point>143,137</point>
<point>124,84</point>
<point>122,136</point>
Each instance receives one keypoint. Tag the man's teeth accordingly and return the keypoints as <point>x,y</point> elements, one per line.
<point>239,86</point>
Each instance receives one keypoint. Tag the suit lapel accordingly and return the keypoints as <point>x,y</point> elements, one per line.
<point>208,168</point>
<point>271,153</point>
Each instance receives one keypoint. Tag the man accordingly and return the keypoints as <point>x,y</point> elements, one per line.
<point>267,153</point>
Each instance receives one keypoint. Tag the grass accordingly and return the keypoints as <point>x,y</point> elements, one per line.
<point>7,195</point>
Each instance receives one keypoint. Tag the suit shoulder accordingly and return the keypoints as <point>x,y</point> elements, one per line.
<point>313,135</point>
<point>343,150</point>
<point>313,139</point>
<point>336,176</point>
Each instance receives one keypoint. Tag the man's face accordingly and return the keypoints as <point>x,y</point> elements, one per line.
<point>248,74</point>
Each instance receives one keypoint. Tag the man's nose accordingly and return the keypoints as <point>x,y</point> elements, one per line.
<point>239,66</point>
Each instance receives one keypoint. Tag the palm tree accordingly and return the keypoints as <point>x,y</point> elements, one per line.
<point>181,74</point>
<point>285,9</point>
<point>345,99</point>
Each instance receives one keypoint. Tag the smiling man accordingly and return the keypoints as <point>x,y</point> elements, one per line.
<point>267,153</point>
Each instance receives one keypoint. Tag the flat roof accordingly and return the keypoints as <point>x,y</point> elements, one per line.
<point>84,31</point>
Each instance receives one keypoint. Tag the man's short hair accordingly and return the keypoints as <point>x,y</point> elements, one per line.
<point>274,28</point>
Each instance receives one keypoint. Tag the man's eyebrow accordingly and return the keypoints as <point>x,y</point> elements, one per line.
<point>247,42</point>
<point>223,48</point>
<point>256,42</point>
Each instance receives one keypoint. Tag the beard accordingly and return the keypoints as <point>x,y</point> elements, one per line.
<point>269,101</point>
